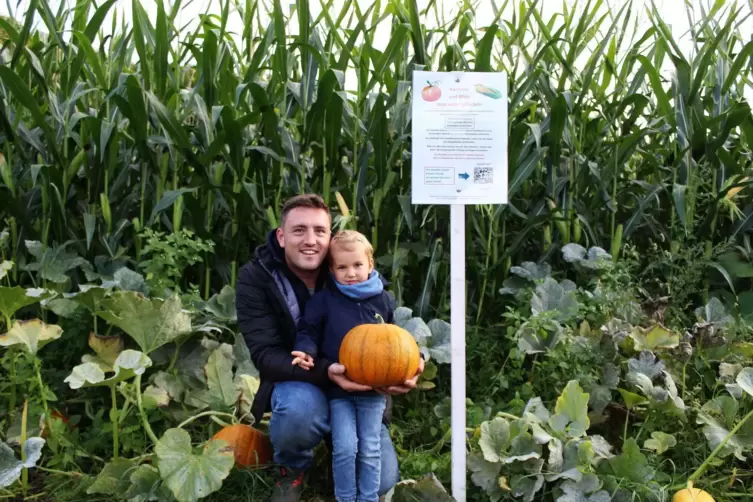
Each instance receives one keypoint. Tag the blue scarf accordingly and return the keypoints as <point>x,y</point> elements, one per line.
<point>363,290</point>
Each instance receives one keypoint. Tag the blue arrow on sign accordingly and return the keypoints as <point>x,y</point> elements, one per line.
<point>465,176</point>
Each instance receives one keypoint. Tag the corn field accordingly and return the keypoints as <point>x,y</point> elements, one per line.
<point>116,148</point>
<point>104,138</point>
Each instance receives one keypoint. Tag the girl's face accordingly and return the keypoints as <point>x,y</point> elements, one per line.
<point>350,264</point>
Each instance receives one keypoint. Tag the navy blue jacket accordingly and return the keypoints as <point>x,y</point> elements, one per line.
<point>330,314</point>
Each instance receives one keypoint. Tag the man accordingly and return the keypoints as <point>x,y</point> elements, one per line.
<point>272,291</point>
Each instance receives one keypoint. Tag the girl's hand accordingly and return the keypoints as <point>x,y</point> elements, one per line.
<point>407,386</point>
<point>302,359</point>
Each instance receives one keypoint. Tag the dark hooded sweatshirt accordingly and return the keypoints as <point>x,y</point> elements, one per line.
<point>269,300</point>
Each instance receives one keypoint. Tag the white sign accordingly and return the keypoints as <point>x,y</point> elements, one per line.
<point>459,138</point>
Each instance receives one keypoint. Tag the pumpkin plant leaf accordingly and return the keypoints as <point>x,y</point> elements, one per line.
<point>127,365</point>
<point>5,267</point>
<point>536,408</point>
<point>601,447</point>
<point>570,460</point>
<point>485,475</point>
<point>53,263</point>
<point>557,299</point>
<point>426,489</point>
<point>403,315</point>
<point>129,280</point>
<point>600,397</point>
<point>107,350</point>
<point>745,380</point>
<point>152,323</point>
<point>63,307</point>
<point>647,364</point>
<point>222,305</point>
<point>247,386</point>
<point>522,276</point>
<point>14,299</point>
<point>242,356</point>
<point>526,485</point>
<point>90,297</point>
<point>219,371</point>
<point>11,467</point>
<point>646,386</point>
<point>571,411</point>
<point>495,439</point>
<point>215,388</point>
<point>522,447</point>
<point>595,258</point>
<point>654,337</point>
<point>114,478</point>
<point>32,334</point>
<point>536,337</point>
<point>714,312</point>
<point>736,445</point>
<point>174,385</point>
<point>631,464</point>
<point>155,397</point>
<point>190,475</point>
<point>632,399</point>
<point>439,343</point>
<point>660,442</point>
<point>588,489</point>
<point>146,486</point>
<point>532,271</point>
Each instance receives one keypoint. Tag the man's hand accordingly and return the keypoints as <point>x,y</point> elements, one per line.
<point>302,359</point>
<point>409,385</point>
<point>337,374</point>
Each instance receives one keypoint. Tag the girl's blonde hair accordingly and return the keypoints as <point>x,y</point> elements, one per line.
<point>347,238</point>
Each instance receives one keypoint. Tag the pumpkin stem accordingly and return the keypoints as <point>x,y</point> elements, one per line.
<point>140,406</point>
<point>380,318</point>
<point>697,474</point>
<point>206,414</point>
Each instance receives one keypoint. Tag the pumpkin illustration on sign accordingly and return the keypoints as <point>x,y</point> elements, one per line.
<point>431,92</point>
<point>379,355</point>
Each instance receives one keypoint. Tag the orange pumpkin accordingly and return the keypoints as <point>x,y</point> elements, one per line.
<point>379,355</point>
<point>251,447</point>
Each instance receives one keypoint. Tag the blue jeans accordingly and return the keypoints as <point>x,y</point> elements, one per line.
<point>300,421</point>
<point>356,454</point>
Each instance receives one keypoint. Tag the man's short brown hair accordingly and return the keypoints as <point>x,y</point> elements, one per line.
<point>309,200</point>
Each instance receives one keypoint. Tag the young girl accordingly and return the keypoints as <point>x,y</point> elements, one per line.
<point>354,296</point>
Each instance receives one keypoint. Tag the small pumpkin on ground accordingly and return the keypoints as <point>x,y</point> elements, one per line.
<point>251,447</point>
<point>379,355</point>
<point>691,494</point>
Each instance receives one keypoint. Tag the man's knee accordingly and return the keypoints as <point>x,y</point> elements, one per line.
<point>300,415</point>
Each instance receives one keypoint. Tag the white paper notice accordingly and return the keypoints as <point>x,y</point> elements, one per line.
<point>459,138</point>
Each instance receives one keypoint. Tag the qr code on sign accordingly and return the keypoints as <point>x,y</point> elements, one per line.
<point>483,175</point>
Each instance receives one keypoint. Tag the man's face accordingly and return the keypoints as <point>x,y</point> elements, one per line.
<point>305,238</point>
